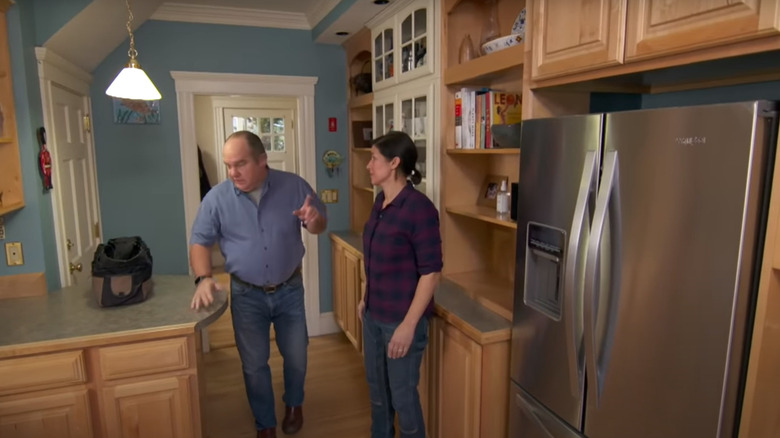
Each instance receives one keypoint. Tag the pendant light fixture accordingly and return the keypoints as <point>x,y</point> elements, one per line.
<point>132,82</point>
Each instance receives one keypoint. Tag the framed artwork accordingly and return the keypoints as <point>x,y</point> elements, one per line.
<point>489,190</point>
<point>362,133</point>
<point>136,112</point>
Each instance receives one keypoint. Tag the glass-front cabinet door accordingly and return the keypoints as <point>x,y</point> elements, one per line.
<point>415,38</point>
<point>416,118</point>
<point>384,68</point>
<point>384,116</point>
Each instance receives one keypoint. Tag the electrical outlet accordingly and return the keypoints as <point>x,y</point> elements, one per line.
<point>13,254</point>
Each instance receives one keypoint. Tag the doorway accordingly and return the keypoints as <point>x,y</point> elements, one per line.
<point>301,89</point>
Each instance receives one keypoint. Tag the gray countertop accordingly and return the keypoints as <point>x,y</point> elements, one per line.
<point>72,313</point>
<point>455,305</point>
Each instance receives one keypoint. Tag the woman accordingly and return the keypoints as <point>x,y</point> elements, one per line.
<point>402,252</point>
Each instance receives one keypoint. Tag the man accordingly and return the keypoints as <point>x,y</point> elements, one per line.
<point>256,216</point>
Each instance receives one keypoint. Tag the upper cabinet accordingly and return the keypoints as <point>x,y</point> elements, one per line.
<point>582,35</point>
<point>402,44</point>
<point>577,35</point>
<point>660,27</point>
<point>11,190</point>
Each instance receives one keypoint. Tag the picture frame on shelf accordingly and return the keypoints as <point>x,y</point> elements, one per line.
<point>489,190</point>
<point>362,134</point>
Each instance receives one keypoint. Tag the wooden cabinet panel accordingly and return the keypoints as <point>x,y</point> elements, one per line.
<point>337,258</point>
<point>154,408</point>
<point>459,373</point>
<point>576,35</point>
<point>143,358</point>
<point>352,290</point>
<point>11,188</point>
<point>659,27</point>
<point>45,371</point>
<point>45,415</point>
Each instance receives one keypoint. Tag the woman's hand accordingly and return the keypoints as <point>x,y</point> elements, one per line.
<point>401,341</point>
<point>361,308</point>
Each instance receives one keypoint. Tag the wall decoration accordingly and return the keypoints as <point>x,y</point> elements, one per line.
<point>489,191</point>
<point>136,112</point>
<point>332,160</point>
<point>362,133</point>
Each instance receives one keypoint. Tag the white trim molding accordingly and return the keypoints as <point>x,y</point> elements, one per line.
<point>56,71</point>
<point>189,84</point>
<point>328,324</point>
<point>232,16</point>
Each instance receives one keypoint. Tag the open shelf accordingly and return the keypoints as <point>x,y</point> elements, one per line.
<point>484,68</point>
<point>362,101</point>
<point>485,214</point>
<point>513,151</point>
<point>496,294</point>
<point>364,189</point>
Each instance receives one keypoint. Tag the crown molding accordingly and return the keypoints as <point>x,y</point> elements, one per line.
<point>388,12</point>
<point>231,16</point>
<point>320,10</point>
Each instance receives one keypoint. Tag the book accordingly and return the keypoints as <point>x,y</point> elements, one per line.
<point>458,119</point>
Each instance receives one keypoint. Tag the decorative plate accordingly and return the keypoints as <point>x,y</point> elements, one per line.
<point>519,27</point>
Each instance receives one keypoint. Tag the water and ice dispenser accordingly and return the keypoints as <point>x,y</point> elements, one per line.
<point>544,268</point>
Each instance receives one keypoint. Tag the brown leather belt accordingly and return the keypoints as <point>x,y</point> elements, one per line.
<point>269,289</point>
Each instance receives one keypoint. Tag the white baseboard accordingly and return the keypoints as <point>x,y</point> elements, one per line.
<point>328,324</point>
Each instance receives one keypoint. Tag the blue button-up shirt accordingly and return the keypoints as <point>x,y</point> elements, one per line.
<point>261,243</point>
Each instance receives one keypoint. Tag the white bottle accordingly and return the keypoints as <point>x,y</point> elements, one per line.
<point>502,200</point>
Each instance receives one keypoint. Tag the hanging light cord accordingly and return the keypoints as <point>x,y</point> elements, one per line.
<point>132,53</point>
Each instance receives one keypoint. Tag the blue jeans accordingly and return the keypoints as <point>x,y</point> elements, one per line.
<point>253,312</point>
<point>393,383</point>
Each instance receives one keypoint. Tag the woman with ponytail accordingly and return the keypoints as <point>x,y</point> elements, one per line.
<point>403,262</point>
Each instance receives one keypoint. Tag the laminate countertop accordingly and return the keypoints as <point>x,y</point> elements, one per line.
<point>454,304</point>
<point>71,316</point>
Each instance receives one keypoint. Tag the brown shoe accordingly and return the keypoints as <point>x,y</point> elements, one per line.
<point>293,419</point>
<point>269,432</point>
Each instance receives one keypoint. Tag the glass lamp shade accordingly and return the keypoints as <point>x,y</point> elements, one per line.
<point>133,83</point>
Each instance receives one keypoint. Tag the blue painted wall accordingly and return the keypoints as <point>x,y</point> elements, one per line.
<point>32,225</point>
<point>139,166</point>
<point>51,15</point>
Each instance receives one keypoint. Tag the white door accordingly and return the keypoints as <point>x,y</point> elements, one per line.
<point>275,129</point>
<point>74,183</point>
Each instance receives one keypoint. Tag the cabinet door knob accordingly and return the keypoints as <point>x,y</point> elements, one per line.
<point>73,267</point>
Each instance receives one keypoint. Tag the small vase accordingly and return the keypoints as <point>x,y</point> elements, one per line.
<point>490,26</point>
<point>467,52</point>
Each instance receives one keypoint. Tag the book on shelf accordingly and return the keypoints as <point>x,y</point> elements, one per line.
<point>478,109</point>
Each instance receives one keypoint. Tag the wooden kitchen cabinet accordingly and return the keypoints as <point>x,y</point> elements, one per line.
<point>584,35</point>
<point>348,285</point>
<point>11,189</point>
<point>43,414</point>
<point>157,407</point>
<point>577,35</point>
<point>471,382</point>
<point>657,27</point>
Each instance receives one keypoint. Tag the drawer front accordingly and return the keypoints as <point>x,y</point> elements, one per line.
<point>43,371</point>
<point>144,358</point>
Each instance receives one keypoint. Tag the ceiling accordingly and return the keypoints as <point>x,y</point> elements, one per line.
<point>100,27</point>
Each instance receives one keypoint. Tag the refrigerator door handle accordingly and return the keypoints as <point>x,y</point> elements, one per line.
<point>604,229</point>
<point>573,280</point>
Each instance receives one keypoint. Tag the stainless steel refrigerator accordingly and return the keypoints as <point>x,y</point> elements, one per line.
<point>639,239</point>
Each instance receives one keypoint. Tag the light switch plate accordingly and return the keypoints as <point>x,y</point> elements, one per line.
<point>13,254</point>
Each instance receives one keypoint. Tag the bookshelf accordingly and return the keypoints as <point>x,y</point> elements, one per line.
<point>479,247</point>
<point>361,192</point>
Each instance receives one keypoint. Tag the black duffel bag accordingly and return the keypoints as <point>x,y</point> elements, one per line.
<point>122,271</point>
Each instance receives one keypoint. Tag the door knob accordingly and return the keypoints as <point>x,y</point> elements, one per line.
<point>69,244</point>
<point>76,267</point>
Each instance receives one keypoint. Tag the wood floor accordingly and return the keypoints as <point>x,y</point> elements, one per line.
<point>336,403</point>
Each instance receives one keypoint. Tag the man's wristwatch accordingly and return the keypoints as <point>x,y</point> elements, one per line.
<point>200,278</point>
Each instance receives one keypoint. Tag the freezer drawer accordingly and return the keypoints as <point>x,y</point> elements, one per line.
<point>529,419</point>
